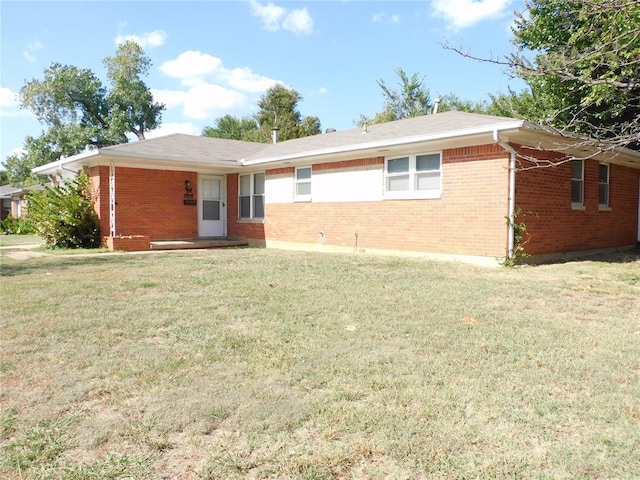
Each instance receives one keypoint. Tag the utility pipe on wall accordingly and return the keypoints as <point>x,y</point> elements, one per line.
<point>512,193</point>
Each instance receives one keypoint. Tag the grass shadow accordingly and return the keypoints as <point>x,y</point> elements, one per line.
<point>12,267</point>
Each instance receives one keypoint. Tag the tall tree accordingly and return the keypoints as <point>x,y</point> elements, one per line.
<point>130,100</point>
<point>412,99</point>
<point>581,60</point>
<point>233,128</point>
<point>278,107</point>
<point>80,112</point>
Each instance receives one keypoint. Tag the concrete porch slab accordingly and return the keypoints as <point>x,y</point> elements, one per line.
<point>183,244</point>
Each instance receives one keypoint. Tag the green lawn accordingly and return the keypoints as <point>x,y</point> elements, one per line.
<point>253,363</point>
<point>13,240</point>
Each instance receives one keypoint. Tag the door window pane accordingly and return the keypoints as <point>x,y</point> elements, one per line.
<point>211,189</point>
<point>211,210</point>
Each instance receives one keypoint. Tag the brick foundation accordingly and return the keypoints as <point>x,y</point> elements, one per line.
<point>128,243</point>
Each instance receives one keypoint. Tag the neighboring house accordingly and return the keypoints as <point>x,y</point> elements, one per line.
<point>13,201</point>
<point>441,185</point>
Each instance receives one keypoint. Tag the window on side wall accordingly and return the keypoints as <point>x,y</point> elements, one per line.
<point>251,195</point>
<point>577,182</point>
<point>603,185</point>
<point>414,176</point>
<point>303,184</point>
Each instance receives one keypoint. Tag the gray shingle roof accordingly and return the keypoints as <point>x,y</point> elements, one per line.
<point>440,124</point>
<point>191,148</point>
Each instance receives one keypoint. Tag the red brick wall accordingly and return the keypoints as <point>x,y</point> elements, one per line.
<point>468,219</point>
<point>236,227</point>
<point>99,177</point>
<point>148,202</point>
<point>544,195</point>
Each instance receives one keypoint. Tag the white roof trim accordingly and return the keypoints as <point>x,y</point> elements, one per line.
<point>388,143</point>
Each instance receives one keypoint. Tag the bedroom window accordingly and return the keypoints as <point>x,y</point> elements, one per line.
<point>251,195</point>
<point>603,185</point>
<point>414,176</point>
<point>303,184</point>
<point>577,182</point>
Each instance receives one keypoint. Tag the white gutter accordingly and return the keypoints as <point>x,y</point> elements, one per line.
<point>512,193</point>
<point>390,142</point>
<point>63,162</point>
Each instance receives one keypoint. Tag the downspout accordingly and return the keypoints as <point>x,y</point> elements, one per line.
<point>112,199</point>
<point>512,193</point>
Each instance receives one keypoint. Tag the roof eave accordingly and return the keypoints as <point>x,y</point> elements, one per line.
<point>388,143</point>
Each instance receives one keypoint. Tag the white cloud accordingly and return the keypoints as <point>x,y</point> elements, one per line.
<point>461,14</point>
<point>245,80</point>
<point>28,53</point>
<point>209,100</point>
<point>323,90</point>
<point>191,67</point>
<point>18,151</point>
<point>170,98</point>
<point>169,128</point>
<point>9,104</point>
<point>384,18</point>
<point>275,17</point>
<point>299,22</point>
<point>270,14</point>
<point>203,101</point>
<point>210,88</point>
<point>156,38</point>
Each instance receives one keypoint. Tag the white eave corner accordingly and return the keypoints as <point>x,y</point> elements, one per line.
<point>53,167</point>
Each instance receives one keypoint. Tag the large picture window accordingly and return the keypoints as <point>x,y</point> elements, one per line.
<point>577,182</point>
<point>251,195</point>
<point>414,176</point>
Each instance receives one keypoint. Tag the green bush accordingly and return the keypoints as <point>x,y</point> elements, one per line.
<point>18,226</point>
<point>64,216</point>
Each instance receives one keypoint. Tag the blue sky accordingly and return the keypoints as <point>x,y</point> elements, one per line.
<point>211,58</point>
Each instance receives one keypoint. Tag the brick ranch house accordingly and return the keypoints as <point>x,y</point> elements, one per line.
<point>441,185</point>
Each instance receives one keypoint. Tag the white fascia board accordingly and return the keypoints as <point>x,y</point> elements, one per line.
<point>390,142</point>
<point>58,165</point>
<point>155,164</point>
<point>98,157</point>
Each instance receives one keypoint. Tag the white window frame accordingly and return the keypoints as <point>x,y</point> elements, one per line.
<point>577,205</point>
<point>252,196</point>
<point>607,184</point>
<point>297,182</point>
<point>414,175</point>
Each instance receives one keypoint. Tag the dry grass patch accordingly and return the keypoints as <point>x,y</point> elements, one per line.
<point>265,364</point>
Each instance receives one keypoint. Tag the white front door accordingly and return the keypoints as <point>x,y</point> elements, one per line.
<point>211,206</point>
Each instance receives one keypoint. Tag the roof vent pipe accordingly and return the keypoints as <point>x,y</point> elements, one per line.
<point>365,127</point>
<point>274,134</point>
<point>436,104</point>
<point>330,130</point>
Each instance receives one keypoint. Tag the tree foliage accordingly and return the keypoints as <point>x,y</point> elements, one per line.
<point>63,215</point>
<point>412,99</point>
<point>233,128</point>
<point>80,112</point>
<point>278,107</point>
<point>581,60</point>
